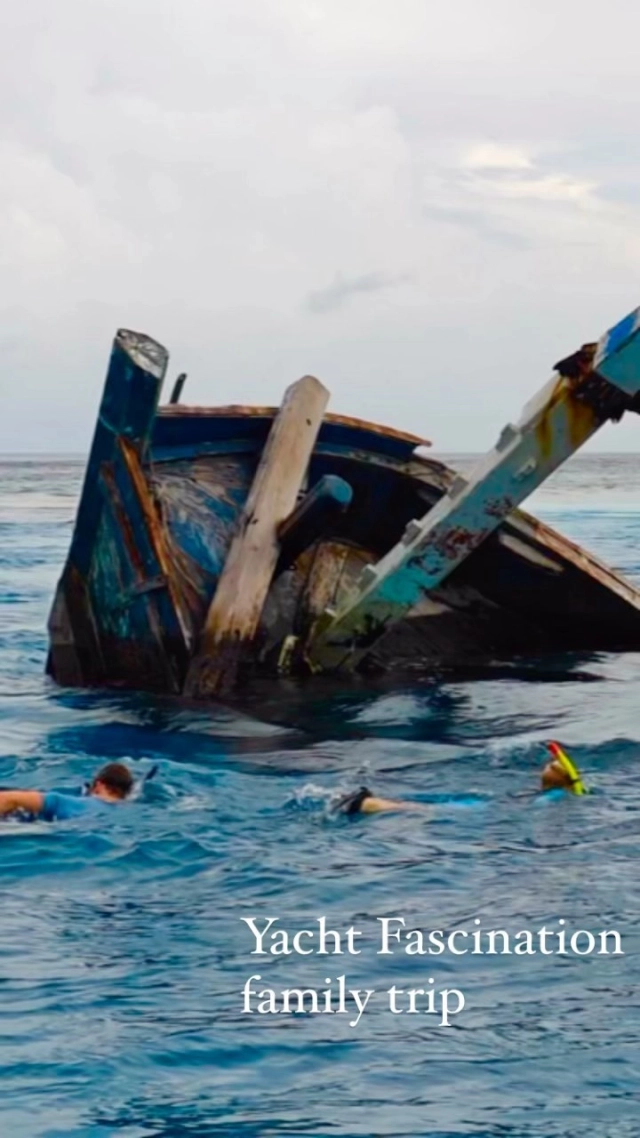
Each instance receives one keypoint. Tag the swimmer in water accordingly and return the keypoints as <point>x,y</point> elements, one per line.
<point>555,777</point>
<point>364,802</point>
<point>110,785</point>
<point>560,773</point>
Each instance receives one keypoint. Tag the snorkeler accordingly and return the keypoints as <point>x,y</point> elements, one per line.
<point>364,802</point>
<point>109,786</point>
<point>560,773</point>
<point>558,776</point>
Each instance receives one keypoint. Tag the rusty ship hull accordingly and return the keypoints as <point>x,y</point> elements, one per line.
<point>165,495</point>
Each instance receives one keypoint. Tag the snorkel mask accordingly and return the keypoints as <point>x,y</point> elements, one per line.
<point>561,757</point>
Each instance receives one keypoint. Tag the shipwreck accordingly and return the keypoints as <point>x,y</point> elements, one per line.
<point>212,543</point>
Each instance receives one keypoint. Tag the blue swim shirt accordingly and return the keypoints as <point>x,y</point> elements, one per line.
<point>58,807</point>
<point>556,794</point>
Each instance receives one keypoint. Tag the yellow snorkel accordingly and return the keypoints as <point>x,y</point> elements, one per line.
<point>560,756</point>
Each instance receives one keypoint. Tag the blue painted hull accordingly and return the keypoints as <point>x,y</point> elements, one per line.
<point>160,508</point>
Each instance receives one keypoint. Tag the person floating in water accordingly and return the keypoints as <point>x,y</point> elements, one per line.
<point>109,786</point>
<point>560,773</point>
<point>558,776</point>
<point>364,802</point>
<point>554,777</point>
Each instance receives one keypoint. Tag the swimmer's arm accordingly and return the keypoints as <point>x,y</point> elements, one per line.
<point>373,805</point>
<point>30,800</point>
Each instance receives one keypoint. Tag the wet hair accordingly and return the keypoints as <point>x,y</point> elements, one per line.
<point>117,778</point>
<point>352,803</point>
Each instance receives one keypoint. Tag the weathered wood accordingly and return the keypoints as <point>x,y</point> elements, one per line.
<point>127,410</point>
<point>143,541</point>
<point>322,584</point>
<point>75,656</point>
<point>561,417</point>
<point>312,518</point>
<point>234,613</point>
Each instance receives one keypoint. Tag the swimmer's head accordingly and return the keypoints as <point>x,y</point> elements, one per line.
<point>114,781</point>
<point>555,777</point>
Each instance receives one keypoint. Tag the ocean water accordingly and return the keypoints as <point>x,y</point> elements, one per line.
<point>124,947</point>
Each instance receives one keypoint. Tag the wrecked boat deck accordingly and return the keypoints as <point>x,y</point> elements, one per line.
<point>212,543</point>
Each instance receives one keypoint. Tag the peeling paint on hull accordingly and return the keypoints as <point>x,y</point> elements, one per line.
<point>481,614</point>
<point>163,495</point>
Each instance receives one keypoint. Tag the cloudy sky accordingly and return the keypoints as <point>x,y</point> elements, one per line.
<point>423,203</point>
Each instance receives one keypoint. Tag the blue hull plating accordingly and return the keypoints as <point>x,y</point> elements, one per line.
<point>162,496</point>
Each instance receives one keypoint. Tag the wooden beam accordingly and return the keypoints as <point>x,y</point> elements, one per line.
<point>597,383</point>
<point>321,587</point>
<point>234,614</point>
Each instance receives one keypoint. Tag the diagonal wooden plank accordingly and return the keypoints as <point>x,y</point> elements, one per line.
<point>234,614</point>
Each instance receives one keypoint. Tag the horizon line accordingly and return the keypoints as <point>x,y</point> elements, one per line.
<point>83,455</point>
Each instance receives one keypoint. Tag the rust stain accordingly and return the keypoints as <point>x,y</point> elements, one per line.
<point>544,435</point>
<point>154,526</point>
<point>238,410</point>
<point>582,420</point>
<point>123,521</point>
<point>543,430</point>
<point>453,543</point>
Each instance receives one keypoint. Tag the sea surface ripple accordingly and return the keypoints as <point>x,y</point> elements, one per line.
<point>123,952</point>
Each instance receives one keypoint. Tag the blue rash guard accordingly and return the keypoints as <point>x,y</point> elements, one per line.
<point>58,807</point>
<point>556,794</point>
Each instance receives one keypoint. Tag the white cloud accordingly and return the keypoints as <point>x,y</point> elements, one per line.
<point>496,156</point>
<point>545,188</point>
<point>414,201</point>
<point>510,171</point>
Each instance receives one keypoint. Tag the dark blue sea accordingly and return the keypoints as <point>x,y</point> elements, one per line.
<point>123,950</point>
